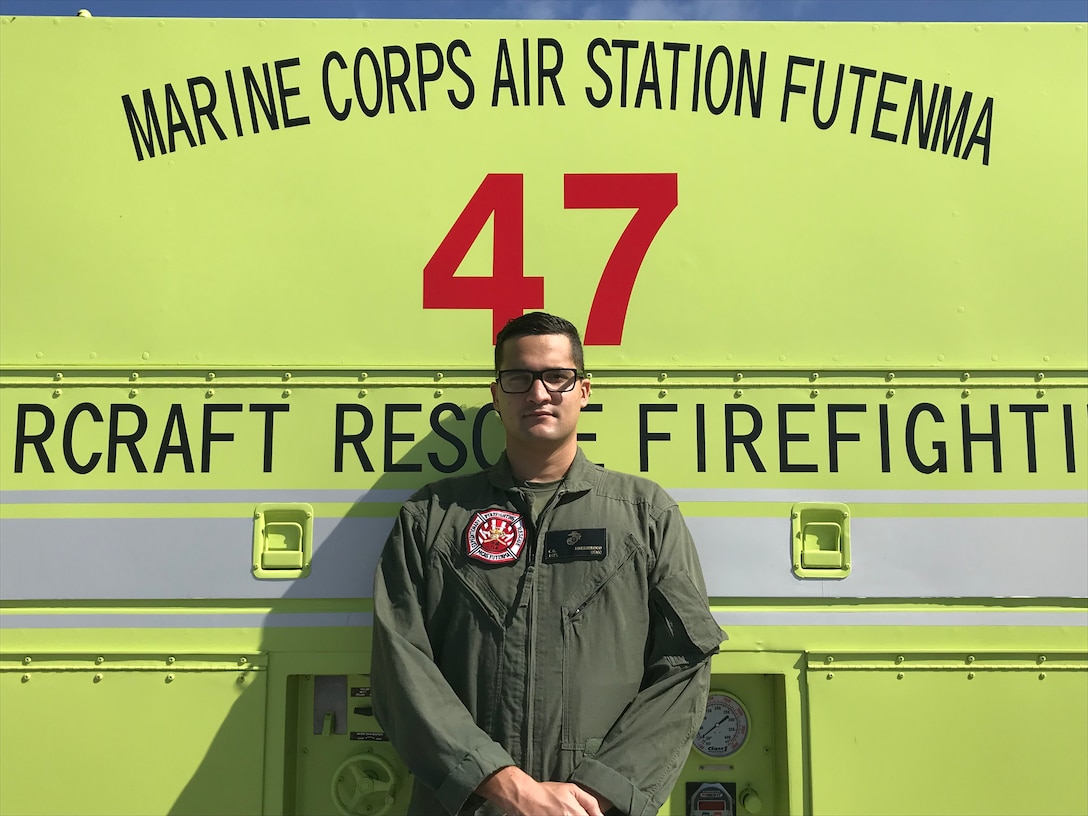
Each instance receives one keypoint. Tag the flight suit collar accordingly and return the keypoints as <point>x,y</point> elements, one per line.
<point>581,477</point>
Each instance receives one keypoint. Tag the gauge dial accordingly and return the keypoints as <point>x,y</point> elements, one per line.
<point>724,729</point>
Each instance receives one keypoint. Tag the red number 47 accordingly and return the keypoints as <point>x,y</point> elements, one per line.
<point>507,292</point>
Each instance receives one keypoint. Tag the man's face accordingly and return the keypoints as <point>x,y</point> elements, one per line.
<point>539,417</point>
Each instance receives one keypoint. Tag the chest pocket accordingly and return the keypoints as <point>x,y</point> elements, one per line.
<point>595,574</point>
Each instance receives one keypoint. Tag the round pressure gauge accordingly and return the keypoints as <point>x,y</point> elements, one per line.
<point>725,727</point>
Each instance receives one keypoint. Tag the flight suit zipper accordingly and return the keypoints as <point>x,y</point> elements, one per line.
<point>530,686</point>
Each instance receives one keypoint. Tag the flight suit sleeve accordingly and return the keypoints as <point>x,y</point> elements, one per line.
<point>426,722</point>
<point>641,757</point>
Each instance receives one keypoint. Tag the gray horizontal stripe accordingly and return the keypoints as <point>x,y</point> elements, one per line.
<point>685,494</point>
<point>903,558</point>
<point>713,494</point>
<point>103,559</point>
<point>165,620</point>
<point>199,496</point>
<point>900,618</point>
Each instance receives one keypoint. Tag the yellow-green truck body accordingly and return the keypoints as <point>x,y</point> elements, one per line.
<point>833,282</point>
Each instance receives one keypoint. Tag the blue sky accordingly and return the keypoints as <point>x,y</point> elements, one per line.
<point>874,10</point>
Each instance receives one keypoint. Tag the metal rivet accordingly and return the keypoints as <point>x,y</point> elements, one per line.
<point>242,661</point>
<point>98,678</point>
<point>662,393</point>
<point>169,678</point>
<point>965,376</point>
<point>1042,675</point>
<point>738,376</point>
<point>899,676</point>
<point>814,376</point>
<point>1038,377</point>
<point>133,392</point>
<point>830,675</point>
<point>170,661</point>
<point>56,393</point>
<point>662,376</point>
<point>241,679</point>
<point>362,393</point>
<point>99,660</point>
<point>1042,658</point>
<point>900,659</point>
<point>814,393</point>
<point>1040,393</point>
<point>58,376</point>
<point>891,392</point>
<point>738,393</point>
<point>363,375</point>
<point>287,375</point>
<point>287,392</point>
<point>439,375</point>
<point>209,393</point>
<point>134,376</point>
<point>830,659</point>
<point>438,392</point>
<point>889,376</point>
<point>967,392</point>
<point>970,658</point>
<point>970,675</point>
<point>26,678</point>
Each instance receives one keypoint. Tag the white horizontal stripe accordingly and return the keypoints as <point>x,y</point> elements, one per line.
<point>899,618</point>
<point>186,620</point>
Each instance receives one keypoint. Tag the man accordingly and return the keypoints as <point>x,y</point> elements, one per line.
<point>542,639</point>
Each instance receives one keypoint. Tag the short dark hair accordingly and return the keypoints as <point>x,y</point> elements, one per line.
<point>540,323</point>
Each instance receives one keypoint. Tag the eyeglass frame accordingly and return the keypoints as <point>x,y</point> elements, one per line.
<point>539,375</point>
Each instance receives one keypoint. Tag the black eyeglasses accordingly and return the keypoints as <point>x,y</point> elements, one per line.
<point>520,380</point>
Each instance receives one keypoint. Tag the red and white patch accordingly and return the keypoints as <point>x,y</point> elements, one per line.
<point>495,536</point>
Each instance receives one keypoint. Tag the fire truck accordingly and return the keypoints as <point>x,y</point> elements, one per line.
<point>833,285</point>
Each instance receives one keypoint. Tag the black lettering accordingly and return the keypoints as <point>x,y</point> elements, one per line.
<point>176,125</point>
<point>205,111</point>
<point>525,71</point>
<point>1067,423</point>
<point>478,437</point>
<point>925,118</point>
<point>718,51</point>
<point>597,102</point>
<point>175,419</point>
<point>862,74</point>
<point>791,86</point>
<point>268,105</point>
<point>885,441</point>
<point>1029,412</point>
<point>22,438</point>
<point>977,136</point>
<point>269,410</point>
<point>549,72</point>
<point>379,88</point>
<point>142,133</point>
<point>644,435</point>
<point>210,436</point>
<point>288,91</point>
<point>624,46</point>
<point>399,79</point>
<point>128,440</point>
<point>461,104</point>
<point>504,75</point>
<point>355,439</point>
<point>700,437</point>
<point>785,437</point>
<point>426,76</point>
<point>69,434</point>
<point>586,436</point>
<point>391,410</point>
<point>675,48</point>
<point>824,124</point>
<point>458,446</point>
<point>337,113</point>
<point>648,80</point>
<point>695,79</point>
<point>969,438</point>
<point>953,129</point>
<point>884,105</point>
<point>755,88</point>
<point>732,438</point>
<point>236,114</point>
<point>834,437</point>
<point>941,462</point>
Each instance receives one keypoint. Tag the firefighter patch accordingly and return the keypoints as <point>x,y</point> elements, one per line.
<point>495,536</point>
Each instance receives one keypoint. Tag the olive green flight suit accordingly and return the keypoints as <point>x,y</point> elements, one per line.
<point>585,658</point>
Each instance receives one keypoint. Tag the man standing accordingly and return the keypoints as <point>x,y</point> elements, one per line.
<point>542,638</point>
